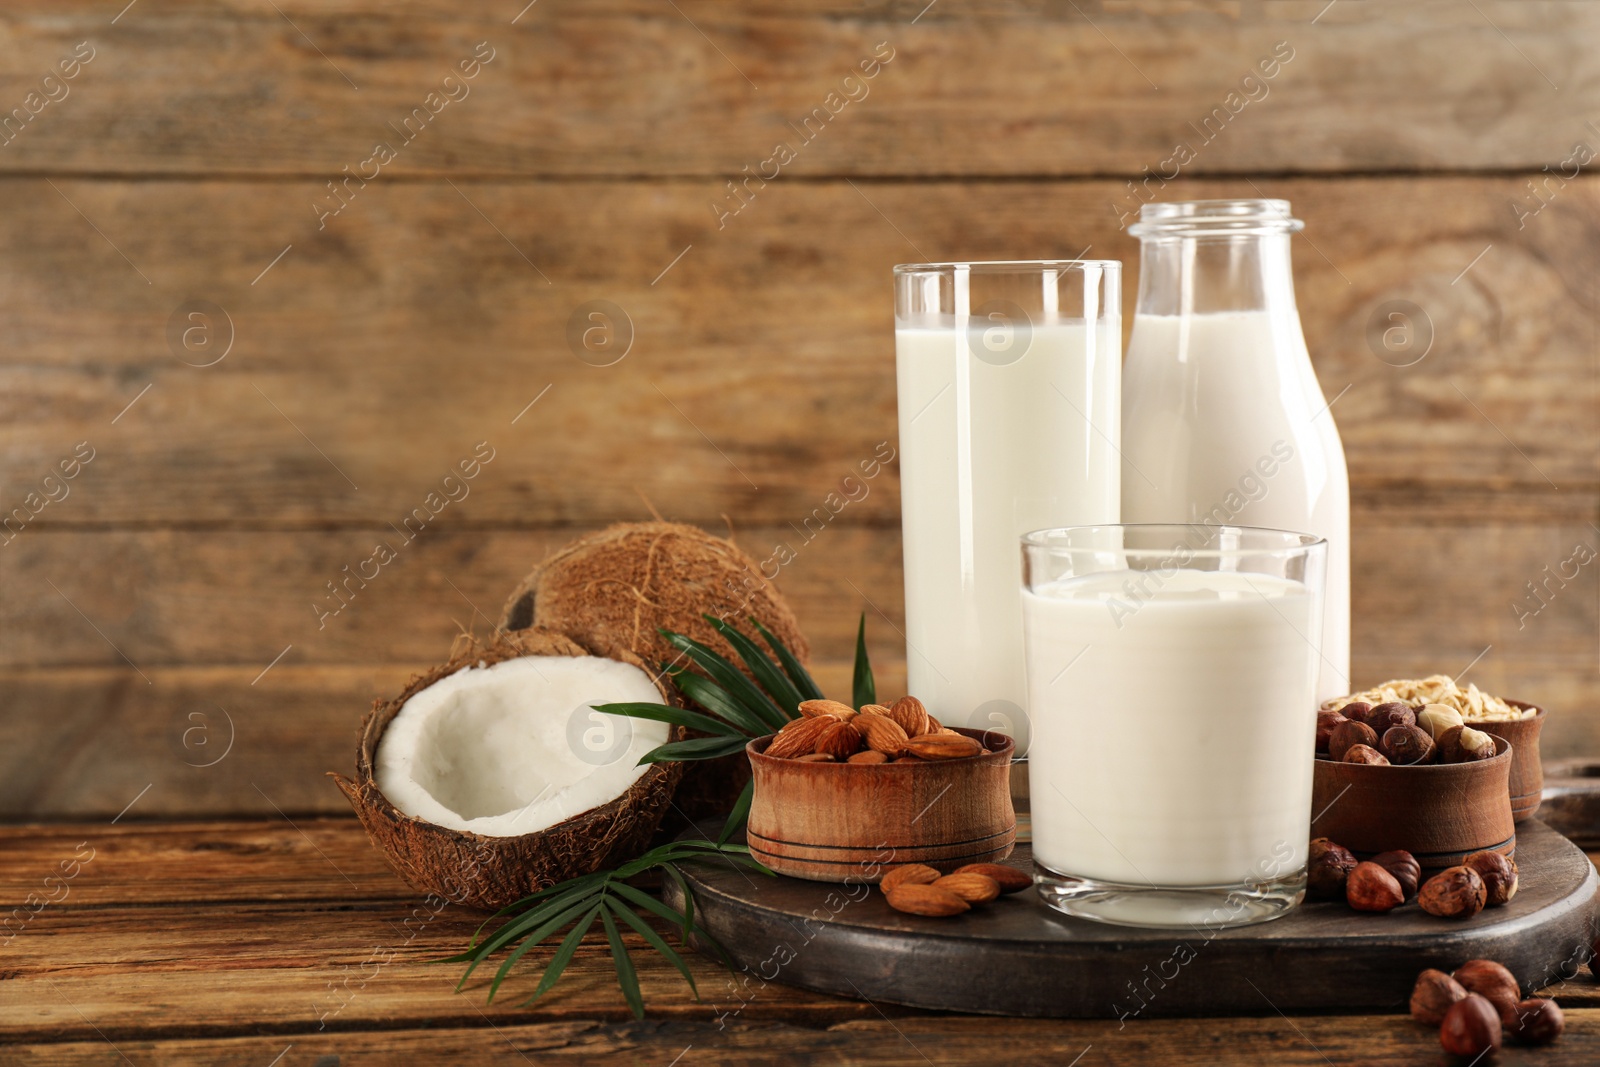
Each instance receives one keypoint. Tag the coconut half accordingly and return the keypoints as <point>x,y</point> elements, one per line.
<point>491,777</point>
<point>612,591</point>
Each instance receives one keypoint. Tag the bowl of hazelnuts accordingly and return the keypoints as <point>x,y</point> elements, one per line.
<point>1392,776</point>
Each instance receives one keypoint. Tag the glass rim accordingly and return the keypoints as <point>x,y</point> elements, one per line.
<point>1290,542</point>
<point>1007,266</point>
<point>1200,219</point>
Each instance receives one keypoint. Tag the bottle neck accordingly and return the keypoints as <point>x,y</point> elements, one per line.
<point>1183,274</point>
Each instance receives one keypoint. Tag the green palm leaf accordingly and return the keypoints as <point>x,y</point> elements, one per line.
<point>766,672</point>
<point>626,977</point>
<point>792,666</point>
<point>865,689</point>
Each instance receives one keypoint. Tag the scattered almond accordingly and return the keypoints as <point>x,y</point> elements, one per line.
<point>915,873</point>
<point>943,746</point>
<point>909,712</point>
<point>1010,879</point>
<point>799,737</point>
<point>881,733</point>
<point>839,740</point>
<point>926,900</point>
<point>970,887</point>
<point>868,756</point>
<point>812,708</point>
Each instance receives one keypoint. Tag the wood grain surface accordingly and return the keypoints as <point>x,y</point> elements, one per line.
<point>635,88</point>
<point>366,354</point>
<point>217,942</point>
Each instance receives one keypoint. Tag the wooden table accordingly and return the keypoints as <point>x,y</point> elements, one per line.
<point>283,944</point>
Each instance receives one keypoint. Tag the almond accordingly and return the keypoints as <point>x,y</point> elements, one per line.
<point>812,708</point>
<point>1010,879</point>
<point>873,709</point>
<point>882,733</point>
<point>868,756</point>
<point>839,740</point>
<point>926,900</point>
<point>799,737</point>
<point>934,725</point>
<point>970,887</point>
<point>816,757</point>
<point>911,873</point>
<point>910,714</point>
<point>943,746</point>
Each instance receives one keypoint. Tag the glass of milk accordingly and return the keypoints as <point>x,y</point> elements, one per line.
<point>1172,674</point>
<point>1007,378</point>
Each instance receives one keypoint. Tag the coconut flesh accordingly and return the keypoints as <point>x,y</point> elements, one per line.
<point>515,747</point>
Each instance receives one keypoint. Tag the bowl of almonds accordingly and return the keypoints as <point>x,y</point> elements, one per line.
<point>846,794</point>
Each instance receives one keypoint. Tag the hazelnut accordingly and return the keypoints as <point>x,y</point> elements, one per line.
<point>1357,710</point>
<point>1437,718</point>
<point>1432,996</point>
<point>1387,716</point>
<point>1404,867</point>
<point>1327,874</point>
<point>1348,734</point>
<point>1364,754</point>
<point>1471,1027</point>
<point>1321,846</point>
<point>1538,1021</point>
<point>1453,893</point>
<point>1499,874</point>
<point>1403,745</point>
<point>1371,888</point>
<point>1494,983</point>
<point>1326,721</point>
<point>1463,744</point>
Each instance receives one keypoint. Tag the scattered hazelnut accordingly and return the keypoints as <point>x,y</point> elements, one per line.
<point>1321,846</point>
<point>1326,721</point>
<point>1371,888</point>
<point>1471,1027</point>
<point>1364,754</point>
<point>1327,874</point>
<point>1494,983</point>
<point>1437,718</point>
<point>1404,745</point>
<point>1463,744</point>
<point>1387,716</point>
<point>1404,867</point>
<point>1432,996</point>
<point>1499,874</point>
<point>1347,735</point>
<point>1453,893</point>
<point>1538,1021</point>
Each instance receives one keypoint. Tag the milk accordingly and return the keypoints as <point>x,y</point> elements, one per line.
<point>992,447</point>
<point>1171,743</point>
<point>1224,422</point>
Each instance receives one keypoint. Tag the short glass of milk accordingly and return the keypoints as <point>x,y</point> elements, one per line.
<point>1172,673</point>
<point>1007,378</point>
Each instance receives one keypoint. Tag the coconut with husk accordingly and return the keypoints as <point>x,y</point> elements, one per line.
<point>614,591</point>
<point>491,776</point>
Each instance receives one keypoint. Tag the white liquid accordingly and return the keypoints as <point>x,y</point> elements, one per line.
<point>1224,422</point>
<point>1034,450</point>
<point>1174,749</point>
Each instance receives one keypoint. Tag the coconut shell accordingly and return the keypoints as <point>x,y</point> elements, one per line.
<point>613,590</point>
<point>491,872</point>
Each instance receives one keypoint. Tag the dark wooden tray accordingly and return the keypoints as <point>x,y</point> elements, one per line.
<point>1016,957</point>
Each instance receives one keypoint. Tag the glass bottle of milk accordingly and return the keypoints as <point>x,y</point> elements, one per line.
<point>1006,375</point>
<point>1223,421</point>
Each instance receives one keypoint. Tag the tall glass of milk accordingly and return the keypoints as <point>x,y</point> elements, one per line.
<point>1170,672</point>
<point>1223,420</point>
<point>1007,378</point>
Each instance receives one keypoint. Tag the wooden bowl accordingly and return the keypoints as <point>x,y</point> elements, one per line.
<point>1440,813</point>
<point>836,822</point>
<point>1527,769</point>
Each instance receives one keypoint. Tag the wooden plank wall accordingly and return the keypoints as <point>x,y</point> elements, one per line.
<point>355,357</point>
